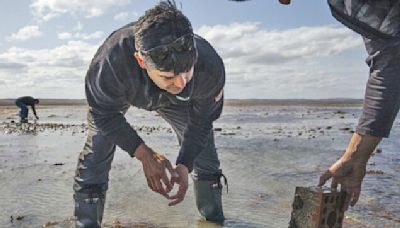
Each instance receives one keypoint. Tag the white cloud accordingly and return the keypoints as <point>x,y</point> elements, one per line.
<point>64,35</point>
<point>135,14</point>
<point>121,16</point>
<point>26,33</point>
<point>294,63</point>
<point>78,26</point>
<point>307,62</point>
<point>247,41</point>
<point>80,36</point>
<point>57,72</point>
<point>86,36</point>
<point>47,9</point>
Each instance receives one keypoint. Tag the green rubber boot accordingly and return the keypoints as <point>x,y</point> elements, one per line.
<point>89,209</point>
<point>208,193</point>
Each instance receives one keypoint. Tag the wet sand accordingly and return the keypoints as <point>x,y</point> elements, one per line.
<point>265,151</point>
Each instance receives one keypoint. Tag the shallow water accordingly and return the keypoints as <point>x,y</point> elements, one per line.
<point>265,152</point>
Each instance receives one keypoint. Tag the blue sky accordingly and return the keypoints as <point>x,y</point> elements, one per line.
<point>270,51</point>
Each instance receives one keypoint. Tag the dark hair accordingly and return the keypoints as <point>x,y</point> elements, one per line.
<point>36,101</point>
<point>162,25</point>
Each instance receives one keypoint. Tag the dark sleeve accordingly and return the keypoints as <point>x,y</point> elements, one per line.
<point>202,112</point>
<point>382,95</point>
<point>105,93</point>
<point>200,124</point>
<point>33,109</point>
<point>372,19</point>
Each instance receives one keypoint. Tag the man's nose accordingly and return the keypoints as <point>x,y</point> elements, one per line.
<point>180,81</point>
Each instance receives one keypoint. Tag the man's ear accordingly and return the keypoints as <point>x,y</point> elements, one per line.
<point>140,60</point>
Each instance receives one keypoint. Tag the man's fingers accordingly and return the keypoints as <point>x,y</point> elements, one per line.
<point>175,180</point>
<point>153,185</point>
<point>173,197</point>
<point>347,199</point>
<point>171,169</point>
<point>181,193</point>
<point>149,184</point>
<point>356,195</point>
<point>334,183</point>
<point>175,202</point>
<point>156,186</point>
<point>159,187</point>
<point>174,175</point>
<point>166,182</point>
<point>179,197</point>
<point>324,177</point>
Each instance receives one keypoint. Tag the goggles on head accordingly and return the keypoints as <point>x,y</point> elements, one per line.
<point>159,53</point>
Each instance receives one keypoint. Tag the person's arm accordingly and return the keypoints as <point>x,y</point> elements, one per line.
<point>34,111</point>
<point>105,91</point>
<point>203,110</point>
<point>201,116</point>
<point>381,105</point>
<point>350,169</point>
<point>202,113</point>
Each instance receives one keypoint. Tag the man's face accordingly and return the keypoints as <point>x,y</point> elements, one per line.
<point>172,83</point>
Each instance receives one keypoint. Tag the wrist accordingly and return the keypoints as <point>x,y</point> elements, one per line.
<point>361,147</point>
<point>142,151</point>
<point>182,168</point>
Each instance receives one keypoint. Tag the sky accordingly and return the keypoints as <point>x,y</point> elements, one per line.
<point>270,51</point>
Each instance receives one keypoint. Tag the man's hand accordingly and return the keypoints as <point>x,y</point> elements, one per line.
<point>350,169</point>
<point>182,180</point>
<point>154,167</point>
<point>37,117</point>
<point>349,174</point>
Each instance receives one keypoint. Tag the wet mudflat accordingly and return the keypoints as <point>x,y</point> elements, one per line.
<point>265,151</point>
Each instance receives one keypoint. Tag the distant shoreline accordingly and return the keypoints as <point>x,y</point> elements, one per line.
<point>228,102</point>
<point>55,102</point>
<point>293,102</point>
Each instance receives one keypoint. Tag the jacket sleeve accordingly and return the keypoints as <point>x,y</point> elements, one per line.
<point>203,111</point>
<point>200,124</point>
<point>105,93</point>
<point>382,95</point>
<point>372,19</point>
<point>34,110</point>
